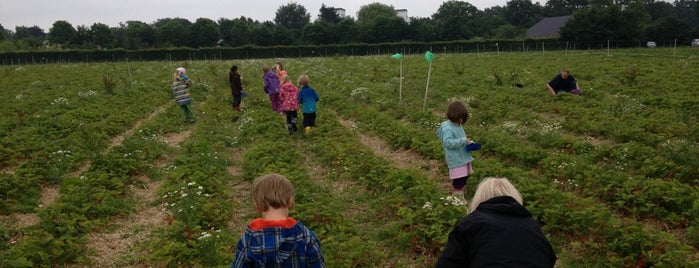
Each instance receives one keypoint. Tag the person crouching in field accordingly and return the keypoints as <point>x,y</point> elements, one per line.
<point>180,92</point>
<point>236,87</point>
<point>499,232</point>
<point>271,86</point>
<point>563,82</point>
<point>289,94</point>
<point>275,239</point>
<point>454,142</point>
<point>308,98</point>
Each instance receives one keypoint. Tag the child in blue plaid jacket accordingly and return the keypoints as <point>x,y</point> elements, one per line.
<point>275,239</point>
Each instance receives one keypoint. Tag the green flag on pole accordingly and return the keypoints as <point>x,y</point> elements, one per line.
<point>429,56</point>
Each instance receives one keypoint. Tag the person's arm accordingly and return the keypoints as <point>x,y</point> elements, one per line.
<point>314,254</point>
<point>450,140</point>
<point>238,83</point>
<point>240,259</point>
<point>266,83</point>
<point>553,92</point>
<point>552,83</point>
<point>455,252</point>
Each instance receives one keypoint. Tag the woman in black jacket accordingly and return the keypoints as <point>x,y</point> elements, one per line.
<point>499,232</point>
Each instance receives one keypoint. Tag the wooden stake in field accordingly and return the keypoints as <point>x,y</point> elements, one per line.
<point>399,57</point>
<point>128,66</point>
<point>428,57</point>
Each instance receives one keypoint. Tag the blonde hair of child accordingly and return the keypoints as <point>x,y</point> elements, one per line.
<point>272,191</point>
<point>494,187</point>
<point>303,80</point>
<point>285,78</point>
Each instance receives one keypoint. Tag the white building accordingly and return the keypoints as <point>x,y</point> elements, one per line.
<point>403,14</point>
<point>340,12</point>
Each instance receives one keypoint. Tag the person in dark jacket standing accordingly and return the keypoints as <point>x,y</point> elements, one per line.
<point>499,232</point>
<point>236,87</point>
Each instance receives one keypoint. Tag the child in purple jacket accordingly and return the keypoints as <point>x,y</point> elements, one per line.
<point>271,84</point>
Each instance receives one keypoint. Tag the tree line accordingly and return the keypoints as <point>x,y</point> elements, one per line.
<point>592,20</point>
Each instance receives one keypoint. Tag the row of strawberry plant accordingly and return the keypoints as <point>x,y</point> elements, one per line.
<point>200,171</point>
<point>59,126</point>
<point>196,186</point>
<point>382,122</point>
<point>535,129</point>
<point>89,201</point>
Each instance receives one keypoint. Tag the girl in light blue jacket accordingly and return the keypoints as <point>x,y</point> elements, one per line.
<point>454,142</point>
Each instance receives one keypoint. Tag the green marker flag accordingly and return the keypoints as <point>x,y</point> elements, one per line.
<point>399,57</point>
<point>429,56</point>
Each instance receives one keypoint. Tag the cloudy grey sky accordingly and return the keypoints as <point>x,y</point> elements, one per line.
<point>44,13</point>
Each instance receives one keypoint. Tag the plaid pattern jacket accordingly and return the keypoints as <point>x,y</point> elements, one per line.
<point>279,244</point>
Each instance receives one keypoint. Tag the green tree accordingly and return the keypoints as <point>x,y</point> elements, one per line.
<point>139,35</point>
<point>668,28</point>
<point>4,33</point>
<point>377,22</point>
<point>423,30</point>
<point>603,22</point>
<point>238,32</point>
<point>688,11</point>
<point>264,34</point>
<point>22,32</point>
<point>172,32</point>
<point>509,31</point>
<point>62,33</point>
<point>292,16</point>
<point>83,37</point>
<point>102,35</point>
<point>660,9</point>
<point>318,33</point>
<point>328,15</point>
<point>205,33</point>
<point>384,29</point>
<point>457,20</point>
<point>368,13</point>
<point>522,13</point>
<point>347,30</point>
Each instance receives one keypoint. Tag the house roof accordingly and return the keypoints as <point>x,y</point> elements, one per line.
<point>547,27</point>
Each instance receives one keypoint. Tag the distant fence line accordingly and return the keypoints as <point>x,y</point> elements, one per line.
<point>256,52</point>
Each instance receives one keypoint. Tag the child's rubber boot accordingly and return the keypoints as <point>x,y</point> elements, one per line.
<point>307,130</point>
<point>460,196</point>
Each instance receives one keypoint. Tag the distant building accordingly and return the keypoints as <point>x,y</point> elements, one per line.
<point>403,14</point>
<point>548,27</point>
<point>340,12</point>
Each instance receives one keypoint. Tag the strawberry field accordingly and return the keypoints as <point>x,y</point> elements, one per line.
<point>100,169</point>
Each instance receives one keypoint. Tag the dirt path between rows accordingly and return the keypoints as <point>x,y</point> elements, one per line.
<point>50,193</point>
<point>401,158</point>
<point>110,247</point>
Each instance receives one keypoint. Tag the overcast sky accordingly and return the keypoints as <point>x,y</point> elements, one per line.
<point>44,13</point>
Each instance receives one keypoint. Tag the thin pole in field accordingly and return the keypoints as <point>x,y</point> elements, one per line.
<point>674,49</point>
<point>424,101</point>
<point>400,84</point>
<point>128,67</point>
